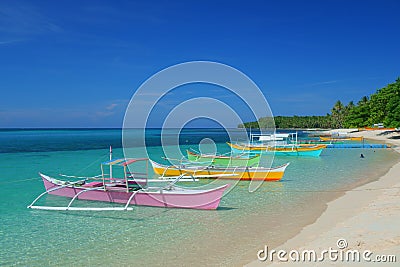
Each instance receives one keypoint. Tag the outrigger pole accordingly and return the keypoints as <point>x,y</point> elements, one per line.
<point>111,175</point>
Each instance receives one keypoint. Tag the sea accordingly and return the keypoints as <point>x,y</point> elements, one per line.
<point>148,236</point>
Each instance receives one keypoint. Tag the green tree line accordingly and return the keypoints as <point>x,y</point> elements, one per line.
<point>381,107</point>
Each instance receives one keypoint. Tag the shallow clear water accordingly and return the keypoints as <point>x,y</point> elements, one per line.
<point>156,236</point>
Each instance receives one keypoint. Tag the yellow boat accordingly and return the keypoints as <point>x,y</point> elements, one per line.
<point>213,172</point>
<point>328,139</point>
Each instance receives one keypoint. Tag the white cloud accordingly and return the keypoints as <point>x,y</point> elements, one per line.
<point>62,116</point>
<point>10,42</point>
<point>24,19</point>
<point>111,106</point>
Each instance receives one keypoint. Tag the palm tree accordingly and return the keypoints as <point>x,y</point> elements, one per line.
<point>338,114</point>
<point>363,101</point>
<point>350,105</point>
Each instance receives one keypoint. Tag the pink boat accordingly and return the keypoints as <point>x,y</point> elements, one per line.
<point>133,189</point>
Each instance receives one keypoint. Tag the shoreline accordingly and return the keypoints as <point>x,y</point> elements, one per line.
<point>365,216</point>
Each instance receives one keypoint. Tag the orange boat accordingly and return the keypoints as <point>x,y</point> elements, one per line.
<point>380,129</point>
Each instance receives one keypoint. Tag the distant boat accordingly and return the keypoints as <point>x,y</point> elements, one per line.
<point>380,129</point>
<point>327,139</point>
<point>212,172</point>
<point>281,144</point>
<point>283,150</point>
<point>133,189</point>
<point>222,160</point>
<point>313,142</point>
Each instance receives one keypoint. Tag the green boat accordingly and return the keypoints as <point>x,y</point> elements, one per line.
<point>222,160</point>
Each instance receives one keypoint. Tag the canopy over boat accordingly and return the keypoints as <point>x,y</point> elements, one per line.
<point>274,139</point>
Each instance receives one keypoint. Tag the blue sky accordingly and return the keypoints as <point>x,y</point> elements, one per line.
<point>77,63</point>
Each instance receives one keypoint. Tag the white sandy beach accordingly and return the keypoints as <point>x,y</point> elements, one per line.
<point>367,217</point>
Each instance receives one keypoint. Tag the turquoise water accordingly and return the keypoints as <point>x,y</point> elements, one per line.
<point>244,223</point>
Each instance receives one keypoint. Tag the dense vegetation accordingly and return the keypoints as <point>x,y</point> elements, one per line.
<point>293,122</point>
<point>381,107</point>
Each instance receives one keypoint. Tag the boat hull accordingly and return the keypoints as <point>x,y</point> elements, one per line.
<point>224,161</point>
<point>191,199</point>
<point>231,173</point>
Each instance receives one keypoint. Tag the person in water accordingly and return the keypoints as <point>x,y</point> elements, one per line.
<point>362,156</point>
